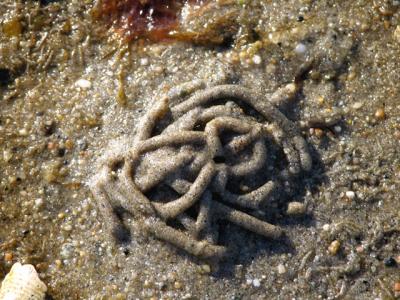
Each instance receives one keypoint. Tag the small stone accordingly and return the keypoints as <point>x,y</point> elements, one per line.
<point>334,247</point>
<point>300,48</point>
<point>396,33</point>
<point>326,227</point>
<point>397,287</point>
<point>69,144</point>
<point>318,132</point>
<point>8,256</point>
<point>67,250</point>
<point>177,285</point>
<point>256,283</point>
<point>58,263</point>
<point>83,83</point>
<point>120,296</point>
<point>390,262</point>
<point>350,195</point>
<point>144,61</point>
<point>7,155</point>
<point>351,76</point>
<point>296,208</point>
<point>337,129</point>
<point>380,114</point>
<point>360,249</point>
<point>38,202</point>
<point>281,269</point>
<point>147,284</point>
<point>67,227</point>
<point>205,269</point>
<point>398,259</point>
<point>23,132</point>
<point>257,59</point>
<point>357,105</point>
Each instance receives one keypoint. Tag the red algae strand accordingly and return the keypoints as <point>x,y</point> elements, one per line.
<point>151,19</point>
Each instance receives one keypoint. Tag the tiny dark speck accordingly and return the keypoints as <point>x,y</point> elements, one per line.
<point>300,18</point>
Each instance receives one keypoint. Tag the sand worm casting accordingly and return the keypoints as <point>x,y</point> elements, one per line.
<point>203,155</point>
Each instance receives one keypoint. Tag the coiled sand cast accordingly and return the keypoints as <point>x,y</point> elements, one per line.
<point>224,152</point>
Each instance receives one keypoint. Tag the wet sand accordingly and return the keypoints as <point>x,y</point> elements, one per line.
<point>68,88</point>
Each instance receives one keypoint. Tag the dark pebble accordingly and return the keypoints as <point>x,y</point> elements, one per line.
<point>5,77</point>
<point>389,262</point>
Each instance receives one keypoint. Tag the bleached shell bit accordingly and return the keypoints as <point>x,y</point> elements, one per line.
<point>22,283</point>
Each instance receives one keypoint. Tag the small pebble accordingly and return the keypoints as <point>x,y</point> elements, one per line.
<point>398,259</point>
<point>23,132</point>
<point>281,269</point>
<point>326,227</point>
<point>144,61</point>
<point>205,269</point>
<point>38,202</point>
<point>7,155</point>
<point>390,262</point>
<point>350,195</point>
<point>296,208</point>
<point>83,83</point>
<point>257,59</point>
<point>300,48</point>
<point>120,296</point>
<point>318,132</point>
<point>396,33</point>
<point>58,263</point>
<point>256,283</point>
<point>338,129</point>
<point>357,105</point>
<point>177,285</point>
<point>334,247</point>
<point>8,256</point>
<point>380,114</point>
<point>397,287</point>
<point>360,249</point>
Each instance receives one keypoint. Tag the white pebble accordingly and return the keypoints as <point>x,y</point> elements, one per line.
<point>350,195</point>
<point>256,282</point>
<point>84,84</point>
<point>23,132</point>
<point>338,129</point>
<point>357,105</point>
<point>296,208</point>
<point>38,202</point>
<point>326,227</point>
<point>257,59</point>
<point>144,61</point>
<point>300,48</point>
<point>281,269</point>
<point>396,33</point>
<point>7,155</point>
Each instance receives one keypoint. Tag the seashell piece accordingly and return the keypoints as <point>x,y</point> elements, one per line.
<point>22,283</point>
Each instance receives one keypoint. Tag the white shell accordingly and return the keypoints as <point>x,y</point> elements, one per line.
<point>22,283</point>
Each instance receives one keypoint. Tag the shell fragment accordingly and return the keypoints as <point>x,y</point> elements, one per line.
<point>22,283</point>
